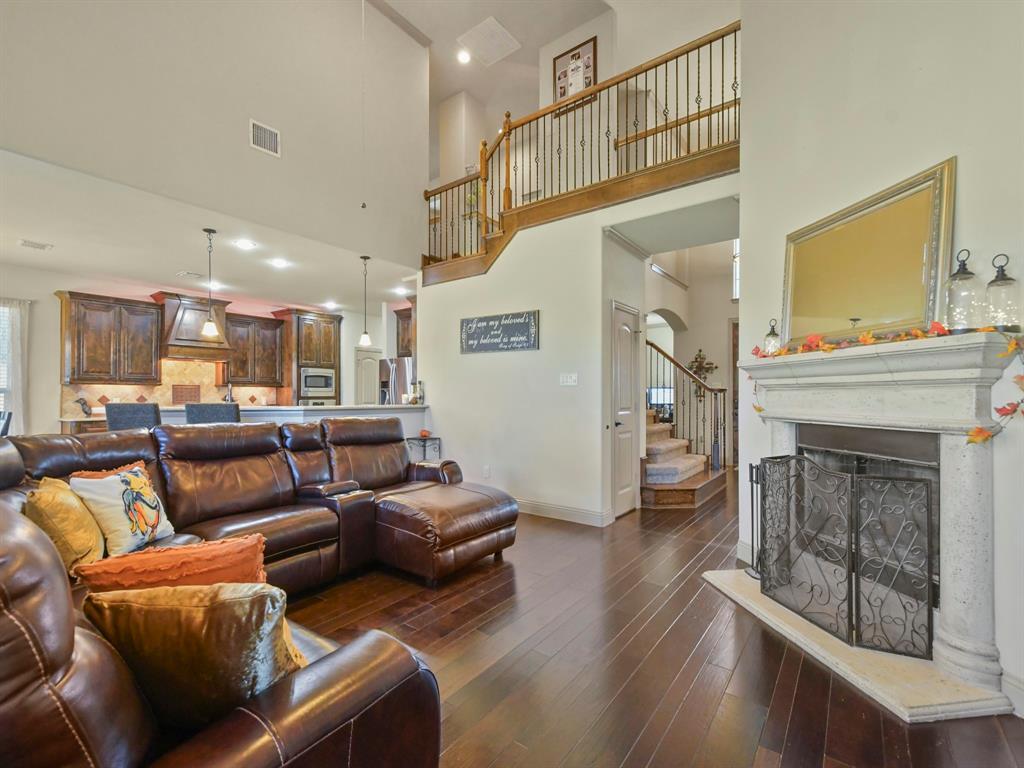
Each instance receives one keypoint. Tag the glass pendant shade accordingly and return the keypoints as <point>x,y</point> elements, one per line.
<point>965,300</point>
<point>772,340</point>
<point>1004,311</point>
<point>364,340</point>
<point>209,329</point>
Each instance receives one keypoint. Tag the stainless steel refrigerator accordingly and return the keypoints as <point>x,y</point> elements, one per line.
<point>397,375</point>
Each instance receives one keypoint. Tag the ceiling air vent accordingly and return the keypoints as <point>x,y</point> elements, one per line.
<point>36,245</point>
<point>489,42</point>
<point>264,138</point>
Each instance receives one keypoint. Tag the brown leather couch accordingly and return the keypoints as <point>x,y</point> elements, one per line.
<point>330,497</point>
<point>68,699</point>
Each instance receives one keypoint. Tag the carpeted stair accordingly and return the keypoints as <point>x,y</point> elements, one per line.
<point>668,459</point>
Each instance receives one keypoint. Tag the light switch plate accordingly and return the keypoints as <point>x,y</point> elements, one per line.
<point>568,379</point>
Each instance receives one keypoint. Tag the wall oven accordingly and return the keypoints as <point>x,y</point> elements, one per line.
<point>316,382</point>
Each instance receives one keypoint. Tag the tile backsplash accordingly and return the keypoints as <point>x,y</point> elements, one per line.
<point>203,375</point>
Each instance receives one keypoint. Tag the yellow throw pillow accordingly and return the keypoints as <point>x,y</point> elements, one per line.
<point>125,505</point>
<point>65,518</point>
<point>198,652</point>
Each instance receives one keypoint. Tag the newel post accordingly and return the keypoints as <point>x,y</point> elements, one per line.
<point>483,190</point>
<point>507,193</point>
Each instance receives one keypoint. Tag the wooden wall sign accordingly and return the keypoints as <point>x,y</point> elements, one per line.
<point>509,332</point>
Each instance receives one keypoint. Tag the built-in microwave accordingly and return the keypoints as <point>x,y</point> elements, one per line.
<point>316,382</point>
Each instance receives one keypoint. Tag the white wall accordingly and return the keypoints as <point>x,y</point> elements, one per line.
<point>661,335</point>
<point>158,95</point>
<point>874,108</point>
<point>461,127</point>
<point>710,310</point>
<point>646,29</point>
<point>543,443</point>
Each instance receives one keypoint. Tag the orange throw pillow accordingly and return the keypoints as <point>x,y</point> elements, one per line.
<point>232,561</point>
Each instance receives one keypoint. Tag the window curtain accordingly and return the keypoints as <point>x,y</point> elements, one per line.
<point>14,360</point>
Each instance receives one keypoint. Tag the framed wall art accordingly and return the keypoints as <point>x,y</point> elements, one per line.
<point>574,71</point>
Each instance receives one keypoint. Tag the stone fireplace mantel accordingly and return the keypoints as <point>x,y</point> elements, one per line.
<point>941,385</point>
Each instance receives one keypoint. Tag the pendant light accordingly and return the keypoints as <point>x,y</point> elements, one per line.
<point>1003,311</point>
<point>364,340</point>
<point>209,329</point>
<point>963,297</point>
<point>772,342</point>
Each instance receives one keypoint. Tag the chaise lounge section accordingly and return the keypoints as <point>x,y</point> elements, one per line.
<point>428,521</point>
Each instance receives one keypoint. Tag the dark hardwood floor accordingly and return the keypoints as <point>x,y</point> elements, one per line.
<point>591,647</point>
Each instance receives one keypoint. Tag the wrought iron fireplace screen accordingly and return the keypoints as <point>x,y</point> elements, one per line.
<point>848,552</point>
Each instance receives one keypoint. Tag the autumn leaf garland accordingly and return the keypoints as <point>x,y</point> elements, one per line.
<point>815,342</point>
<point>1014,346</point>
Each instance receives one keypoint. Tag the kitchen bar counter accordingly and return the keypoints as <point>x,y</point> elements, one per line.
<point>413,416</point>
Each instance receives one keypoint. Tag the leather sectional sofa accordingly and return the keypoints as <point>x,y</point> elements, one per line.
<point>330,498</point>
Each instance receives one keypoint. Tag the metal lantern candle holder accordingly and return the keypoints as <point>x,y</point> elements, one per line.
<point>1004,312</point>
<point>964,299</point>
<point>772,340</point>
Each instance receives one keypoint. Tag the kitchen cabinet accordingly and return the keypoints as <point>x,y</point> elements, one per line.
<point>256,354</point>
<point>327,338</point>
<point>107,340</point>
<point>308,340</point>
<point>403,330</point>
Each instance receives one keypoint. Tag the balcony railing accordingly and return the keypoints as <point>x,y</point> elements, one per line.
<point>671,108</point>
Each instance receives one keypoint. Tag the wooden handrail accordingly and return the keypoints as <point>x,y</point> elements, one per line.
<point>679,123</point>
<point>429,193</point>
<point>586,93</point>
<point>693,377</point>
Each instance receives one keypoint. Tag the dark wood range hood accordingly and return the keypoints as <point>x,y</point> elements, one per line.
<point>183,320</point>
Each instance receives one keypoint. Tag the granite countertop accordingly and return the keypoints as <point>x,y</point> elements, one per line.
<point>98,414</point>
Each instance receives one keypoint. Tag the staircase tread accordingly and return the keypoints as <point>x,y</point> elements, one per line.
<point>667,445</point>
<point>688,459</point>
<point>697,480</point>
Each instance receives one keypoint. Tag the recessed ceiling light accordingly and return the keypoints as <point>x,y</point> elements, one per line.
<point>245,245</point>
<point>401,290</point>
<point>213,285</point>
<point>463,56</point>
<point>189,275</point>
<point>279,263</point>
<point>330,305</point>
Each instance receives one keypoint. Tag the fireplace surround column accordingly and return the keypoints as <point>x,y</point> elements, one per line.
<point>964,641</point>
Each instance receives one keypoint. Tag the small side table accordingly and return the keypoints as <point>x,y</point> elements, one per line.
<point>429,448</point>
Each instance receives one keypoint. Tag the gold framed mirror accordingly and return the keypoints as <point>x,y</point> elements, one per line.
<point>877,265</point>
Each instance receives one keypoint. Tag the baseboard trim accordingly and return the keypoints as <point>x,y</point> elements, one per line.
<point>569,514</point>
<point>743,551</point>
<point>1013,687</point>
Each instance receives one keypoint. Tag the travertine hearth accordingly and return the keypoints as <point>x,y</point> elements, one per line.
<point>940,385</point>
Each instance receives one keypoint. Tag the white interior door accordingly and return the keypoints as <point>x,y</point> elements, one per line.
<point>367,374</point>
<point>625,448</point>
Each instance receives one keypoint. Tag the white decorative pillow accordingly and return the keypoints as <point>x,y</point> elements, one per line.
<point>125,506</point>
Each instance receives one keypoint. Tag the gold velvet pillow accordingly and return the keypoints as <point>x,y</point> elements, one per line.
<point>63,516</point>
<point>198,652</point>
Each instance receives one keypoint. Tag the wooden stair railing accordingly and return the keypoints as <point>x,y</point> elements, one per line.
<point>695,409</point>
<point>672,121</point>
